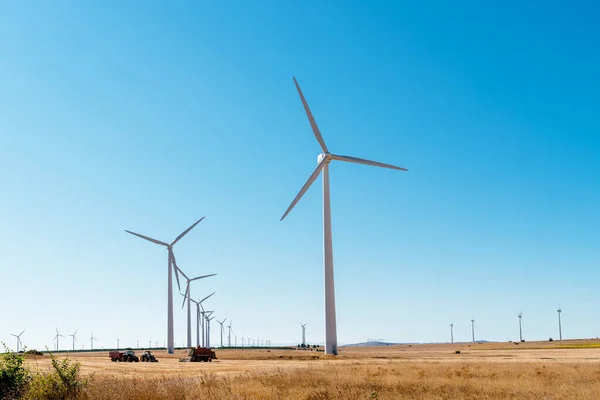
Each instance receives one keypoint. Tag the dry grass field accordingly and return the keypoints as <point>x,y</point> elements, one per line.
<point>536,370</point>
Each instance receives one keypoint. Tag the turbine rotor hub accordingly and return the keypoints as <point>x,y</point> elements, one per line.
<point>326,156</point>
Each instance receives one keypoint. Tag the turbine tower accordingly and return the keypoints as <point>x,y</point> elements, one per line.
<point>207,315</point>
<point>520,326</point>
<point>323,166</point>
<point>229,335</point>
<point>473,328</point>
<point>221,323</point>
<point>56,338</point>
<point>19,343</point>
<point>208,331</point>
<point>559,325</point>
<point>452,333</point>
<point>303,332</point>
<point>200,318</point>
<point>171,262</point>
<point>74,339</point>
<point>187,296</point>
<point>92,342</point>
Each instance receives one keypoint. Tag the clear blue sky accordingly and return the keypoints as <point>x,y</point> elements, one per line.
<point>148,116</point>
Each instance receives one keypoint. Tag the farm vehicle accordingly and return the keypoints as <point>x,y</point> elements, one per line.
<point>123,356</point>
<point>148,357</point>
<point>198,354</point>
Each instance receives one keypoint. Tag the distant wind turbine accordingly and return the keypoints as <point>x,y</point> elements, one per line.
<point>221,323</point>
<point>92,341</point>
<point>208,330</point>
<point>520,326</point>
<point>171,262</point>
<point>56,338</point>
<point>74,339</point>
<point>200,318</point>
<point>473,328</point>
<point>303,332</point>
<point>323,166</point>
<point>559,311</point>
<point>229,335</point>
<point>187,296</point>
<point>452,333</point>
<point>19,343</point>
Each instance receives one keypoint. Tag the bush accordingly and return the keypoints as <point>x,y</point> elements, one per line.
<point>64,382</point>
<point>14,376</point>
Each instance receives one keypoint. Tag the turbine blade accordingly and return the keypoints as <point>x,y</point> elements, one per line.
<point>309,182</point>
<point>185,296</point>
<point>207,297</point>
<point>311,119</point>
<point>186,231</point>
<point>147,238</point>
<point>177,270</point>
<point>366,162</point>
<point>21,332</point>
<point>201,277</point>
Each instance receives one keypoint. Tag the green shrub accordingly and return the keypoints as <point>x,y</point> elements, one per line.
<point>63,382</point>
<point>14,376</point>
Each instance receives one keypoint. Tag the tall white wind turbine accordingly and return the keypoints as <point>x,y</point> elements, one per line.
<point>171,262</point>
<point>229,335</point>
<point>323,166</point>
<point>303,332</point>
<point>187,296</point>
<point>56,338</point>
<point>19,342</point>
<point>221,323</point>
<point>452,333</point>
<point>520,326</point>
<point>74,339</point>
<point>473,328</point>
<point>559,311</point>
<point>92,338</point>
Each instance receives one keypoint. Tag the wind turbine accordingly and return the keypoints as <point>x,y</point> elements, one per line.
<point>187,296</point>
<point>235,343</point>
<point>473,328</point>
<point>303,332</point>
<point>200,316</point>
<point>74,339</point>
<point>559,325</point>
<point>242,340</point>
<point>323,166</point>
<point>56,338</point>
<point>171,262</point>
<point>452,333</point>
<point>19,343</point>
<point>229,335</point>
<point>520,326</point>
<point>208,330</point>
<point>92,342</point>
<point>221,323</point>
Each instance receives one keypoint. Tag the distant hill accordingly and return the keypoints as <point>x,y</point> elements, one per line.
<point>371,344</point>
<point>377,343</point>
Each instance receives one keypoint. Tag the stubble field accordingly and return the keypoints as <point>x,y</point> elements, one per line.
<point>536,370</point>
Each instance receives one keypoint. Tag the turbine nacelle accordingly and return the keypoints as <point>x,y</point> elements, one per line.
<point>327,156</point>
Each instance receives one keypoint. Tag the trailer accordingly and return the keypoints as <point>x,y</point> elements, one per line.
<point>123,356</point>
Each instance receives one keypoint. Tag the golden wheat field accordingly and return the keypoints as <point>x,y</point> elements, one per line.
<point>536,370</point>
